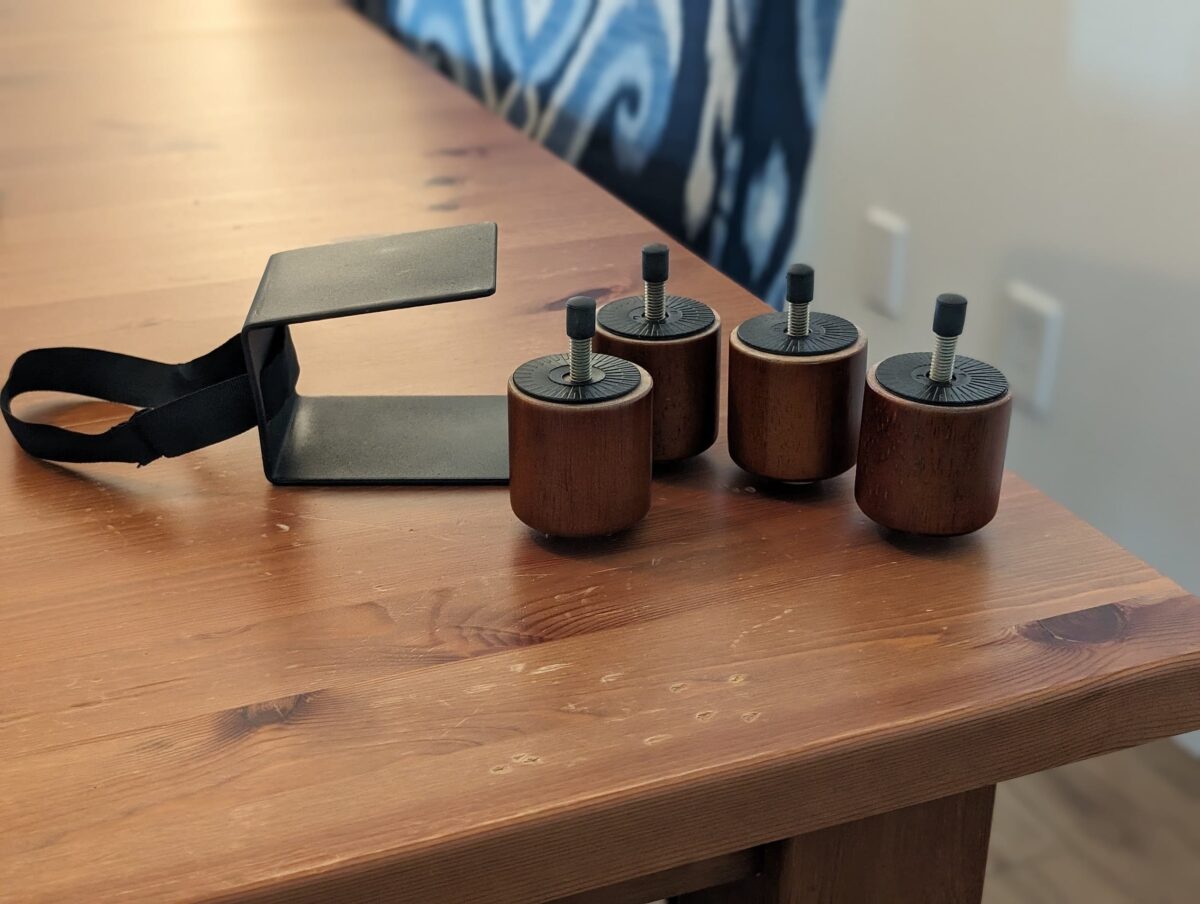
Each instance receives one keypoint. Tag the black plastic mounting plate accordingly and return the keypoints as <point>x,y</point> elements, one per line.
<point>371,439</point>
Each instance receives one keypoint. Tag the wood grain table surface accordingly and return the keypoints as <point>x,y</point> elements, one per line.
<point>217,689</point>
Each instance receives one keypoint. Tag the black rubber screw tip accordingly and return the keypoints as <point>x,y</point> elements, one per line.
<point>949,315</point>
<point>581,317</point>
<point>800,278</point>
<point>655,262</point>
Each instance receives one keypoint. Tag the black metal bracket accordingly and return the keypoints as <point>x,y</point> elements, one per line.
<point>371,439</point>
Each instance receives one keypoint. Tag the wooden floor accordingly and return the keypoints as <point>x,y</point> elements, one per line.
<point>1119,829</point>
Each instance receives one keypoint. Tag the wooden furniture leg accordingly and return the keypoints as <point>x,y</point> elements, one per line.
<point>932,853</point>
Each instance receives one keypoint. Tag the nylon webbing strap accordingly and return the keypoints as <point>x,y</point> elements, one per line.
<point>183,406</point>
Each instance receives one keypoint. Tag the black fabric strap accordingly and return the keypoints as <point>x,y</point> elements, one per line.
<point>183,406</point>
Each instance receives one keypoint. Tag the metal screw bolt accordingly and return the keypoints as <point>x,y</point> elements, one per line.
<point>655,265</point>
<point>949,315</point>
<point>799,296</point>
<point>581,327</point>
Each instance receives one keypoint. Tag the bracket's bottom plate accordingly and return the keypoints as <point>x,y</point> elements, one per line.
<point>394,440</point>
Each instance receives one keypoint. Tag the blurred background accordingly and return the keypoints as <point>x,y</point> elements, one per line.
<point>1041,157</point>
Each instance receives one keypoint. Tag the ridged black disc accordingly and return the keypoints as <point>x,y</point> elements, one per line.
<point>548,379</point>
<point>684,317</point>
<point>974,383</point>
<point>826,333</point>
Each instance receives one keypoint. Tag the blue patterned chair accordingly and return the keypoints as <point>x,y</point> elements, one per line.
<point>698,113</point>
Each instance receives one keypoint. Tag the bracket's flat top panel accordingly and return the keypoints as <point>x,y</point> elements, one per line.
<point>377,274</point>
<point>396,439</point>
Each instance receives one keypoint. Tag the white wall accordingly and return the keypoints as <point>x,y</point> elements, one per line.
<point>1057,143</point>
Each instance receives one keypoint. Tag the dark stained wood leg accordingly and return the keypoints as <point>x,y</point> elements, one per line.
<point>932,853</point>
<point>726,869</point>
<point>930,469</point>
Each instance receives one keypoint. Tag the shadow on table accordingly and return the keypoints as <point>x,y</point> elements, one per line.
<point>929,547</point>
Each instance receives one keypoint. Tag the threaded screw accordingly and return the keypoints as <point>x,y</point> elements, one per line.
<point>799,297</point>
<point>949,315</point>
<point>581,327</point>
<point>655,267</point>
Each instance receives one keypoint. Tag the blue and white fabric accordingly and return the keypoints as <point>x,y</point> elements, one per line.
<point>698,113</point>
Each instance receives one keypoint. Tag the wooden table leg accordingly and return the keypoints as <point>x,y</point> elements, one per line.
<point>932,853</point>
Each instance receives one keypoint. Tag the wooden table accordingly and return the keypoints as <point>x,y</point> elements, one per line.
<point>216,689</point>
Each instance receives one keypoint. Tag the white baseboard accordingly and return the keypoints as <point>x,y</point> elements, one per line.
<point>1190,743</point>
